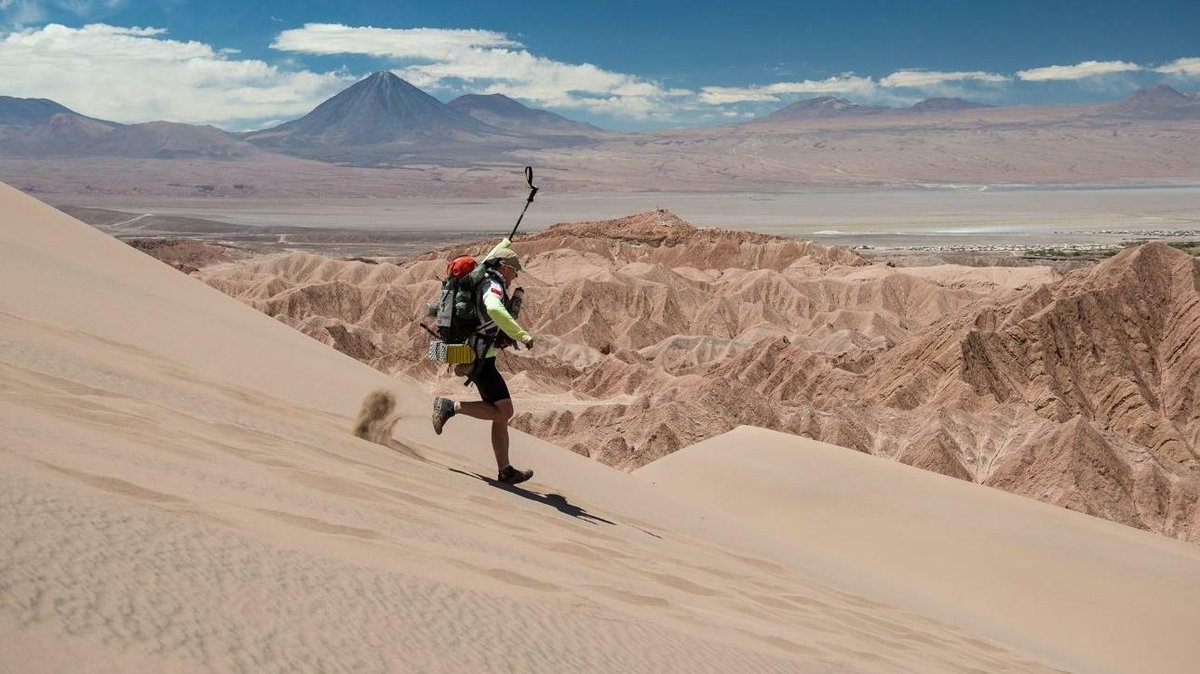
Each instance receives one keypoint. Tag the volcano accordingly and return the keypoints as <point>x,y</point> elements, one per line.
<point>377,110</point>
<point>1158,102</point>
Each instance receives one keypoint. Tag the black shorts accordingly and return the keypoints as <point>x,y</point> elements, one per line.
<point>492,388</point>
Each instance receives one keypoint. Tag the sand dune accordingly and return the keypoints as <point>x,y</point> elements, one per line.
<point>180,491</point>
<point>1101,597</point>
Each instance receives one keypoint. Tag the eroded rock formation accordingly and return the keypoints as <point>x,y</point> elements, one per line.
<point>1077,390</point>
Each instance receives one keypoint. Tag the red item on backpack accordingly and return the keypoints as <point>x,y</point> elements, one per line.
<point>459,267</point>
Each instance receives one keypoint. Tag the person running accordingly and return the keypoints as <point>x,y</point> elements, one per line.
<point>495,404</point>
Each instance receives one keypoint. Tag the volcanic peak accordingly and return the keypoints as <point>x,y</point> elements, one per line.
<point>1159,94</point>
<point>1158,102</point>
<point>379,109</point>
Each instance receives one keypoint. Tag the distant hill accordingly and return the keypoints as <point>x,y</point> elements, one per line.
<point>1158,102</point>
<point>946,105</point>
<point>65,133</point>
<point>830,107</point>
<point>171,140</point>
<point>501,111</point>
<point>28,111</point>
<point>61,134</point>
<point>379,109</point>
<point>824,106</point>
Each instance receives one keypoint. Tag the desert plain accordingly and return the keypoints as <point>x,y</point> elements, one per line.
<point>936,216</point>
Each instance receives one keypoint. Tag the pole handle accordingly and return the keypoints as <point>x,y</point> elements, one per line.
<point>529,179</point>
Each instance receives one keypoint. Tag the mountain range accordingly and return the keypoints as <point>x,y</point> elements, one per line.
<point>41,128</point>
<point>383,120</point>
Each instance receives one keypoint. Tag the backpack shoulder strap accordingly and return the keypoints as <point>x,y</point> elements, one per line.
<point>485,321</point>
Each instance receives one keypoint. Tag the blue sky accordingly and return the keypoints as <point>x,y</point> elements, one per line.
<point>621,64</point>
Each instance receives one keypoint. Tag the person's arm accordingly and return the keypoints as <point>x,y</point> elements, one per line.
<point>493,301</point>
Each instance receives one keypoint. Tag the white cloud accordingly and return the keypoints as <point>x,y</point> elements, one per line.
<point>136,75</point>
<point>408,43</point>
<point>842,84</point>
<point>724,95</point>
<point>926,78</point>
<point>1078,71</point>
<point>863,88</point>
<point>443,58</point>
<point>1188,67</point>
<point>133,74</point>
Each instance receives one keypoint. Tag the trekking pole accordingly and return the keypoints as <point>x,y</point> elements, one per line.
<point>532,191</point>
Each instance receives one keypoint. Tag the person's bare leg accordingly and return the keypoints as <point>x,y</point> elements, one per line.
<point>504,412</point>
<point>499,414</point>
<point>478,409</point>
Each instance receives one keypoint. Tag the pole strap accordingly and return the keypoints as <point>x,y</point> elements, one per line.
<point>532,192</point>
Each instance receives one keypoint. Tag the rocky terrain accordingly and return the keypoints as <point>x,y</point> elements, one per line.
<point>189,255</point>
<point>1076,389</point>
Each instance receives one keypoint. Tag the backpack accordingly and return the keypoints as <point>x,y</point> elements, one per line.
<point>456,316</point>
<point>462,330</point>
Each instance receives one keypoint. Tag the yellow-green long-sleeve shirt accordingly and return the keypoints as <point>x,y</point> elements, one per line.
<point>493,302</point>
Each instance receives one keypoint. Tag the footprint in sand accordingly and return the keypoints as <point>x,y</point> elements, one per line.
<point>785,644</point>
<point>682,584</point>
<point>116,485</point>
<point>630,597</point>
<point>321,526</point>
<point>513,578</point>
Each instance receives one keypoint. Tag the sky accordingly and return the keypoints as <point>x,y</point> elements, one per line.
<point>622,64</point>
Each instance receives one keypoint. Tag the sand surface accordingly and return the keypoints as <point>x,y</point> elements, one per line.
<point>1100,596</point>
<point>179,492</point>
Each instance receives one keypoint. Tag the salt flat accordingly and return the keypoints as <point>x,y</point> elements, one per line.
<point>938,215</point>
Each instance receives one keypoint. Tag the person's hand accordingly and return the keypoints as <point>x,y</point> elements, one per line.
<point>529,343</point>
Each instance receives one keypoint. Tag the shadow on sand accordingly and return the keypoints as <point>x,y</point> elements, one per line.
<point>556,501</point>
